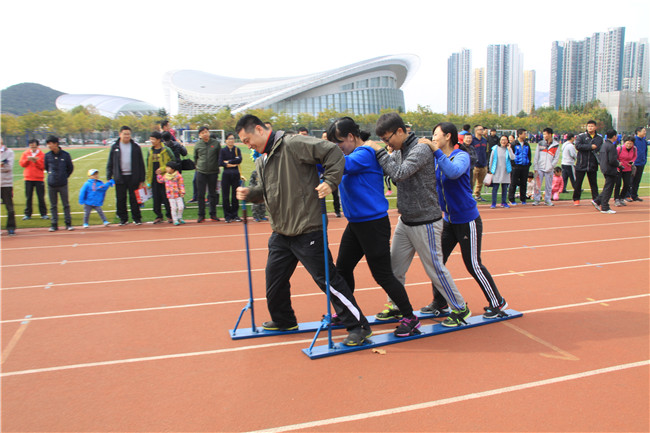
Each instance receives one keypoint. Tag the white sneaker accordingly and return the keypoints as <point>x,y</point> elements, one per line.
<point>85,226</point>
<point>106,224</point>
<point>608,211</point>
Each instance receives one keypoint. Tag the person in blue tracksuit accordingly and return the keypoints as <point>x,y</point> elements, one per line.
<point>368,230</point>
<point>461,220</point>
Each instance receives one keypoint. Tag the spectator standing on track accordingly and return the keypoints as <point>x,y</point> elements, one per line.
<point>462,222</point>
<point>126,166</point>
<point>157,158</point>
<point>33,161</point>
<point>588,146</point>
<point>59,167</point>
<point>609,166</point>
<point>230,159</point>
<point>174,189</point>
<point>521,166</point>
<point>368,230</point>
<point>92,194</point>
<point>641,145</point>
<point>479,143</point>
<point>546,157</point>
<point>419,227</point>
<point>569,154</point>
<point>7,185</point>
<point>206,158</point>
<point>501,166</point>
<point>627,155</point>
<point>290,187</point>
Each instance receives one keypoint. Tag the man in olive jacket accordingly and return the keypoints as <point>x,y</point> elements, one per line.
<point>290,187</point>
<point>206,158</point>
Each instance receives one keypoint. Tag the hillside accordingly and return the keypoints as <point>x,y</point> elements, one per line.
<point>25,97</point>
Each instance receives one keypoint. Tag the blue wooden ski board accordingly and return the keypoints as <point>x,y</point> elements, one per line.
<point>386,339</point>
<point>243,333</point>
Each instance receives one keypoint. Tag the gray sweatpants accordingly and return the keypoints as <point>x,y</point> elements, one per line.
<point>424,239</point>
<point>547,177</point>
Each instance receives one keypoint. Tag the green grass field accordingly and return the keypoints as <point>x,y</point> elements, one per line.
<point>87,158</point>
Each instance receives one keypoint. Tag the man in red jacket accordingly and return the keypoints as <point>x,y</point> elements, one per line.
<point>33,161</point>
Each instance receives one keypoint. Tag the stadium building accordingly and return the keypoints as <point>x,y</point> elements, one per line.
<point>109,106</point>
<point>361,88</point>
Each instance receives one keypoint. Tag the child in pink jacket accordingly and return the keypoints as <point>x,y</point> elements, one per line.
<point>558,183</point>
<point>175,189</point>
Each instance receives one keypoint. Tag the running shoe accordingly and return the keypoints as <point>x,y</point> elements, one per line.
<point>107,223</point>
<point>608,211</point>
<point>576,202</point>
<point>408,326</point>
<point>272,326</point>
<point>85,226</point>
<point>457,318</point>
<point>505,205</point>
<point>595,205</point>
<point>435,309</point>
<point>493,206</point>
<point>389,313</point>
<point>498,311</point>
<point>357,336</point>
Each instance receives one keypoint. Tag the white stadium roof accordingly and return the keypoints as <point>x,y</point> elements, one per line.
<point>243,94</point>
<point>109,106</point>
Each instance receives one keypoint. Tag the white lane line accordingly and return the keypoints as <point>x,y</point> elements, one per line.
<point>130,258</point>
<point>242,348</point>
<point>457,399</point>
<point>203,274</point>
<point>87,155</point>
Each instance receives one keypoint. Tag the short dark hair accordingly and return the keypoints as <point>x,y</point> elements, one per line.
<point>389,122</point>
<point>593,122</point>
<point>52,139</point>
<point>248,123</point>
<point>230,134</point>
<point>174,165</point>
<point>203,128</point>
<point>611,133</point>
<point>476,126</point>
<point>125,128</point>
<point>639,129</point>
<point>628,138</point>
<point>303,129</point>
<point>33,140</point>
<point>166,136</point>
<point>164,123</point>
<point>156,134</point>
<point>570,135</point>
<point>520,131</point>
<point>467,127</point>
<point>557,170</point>
<point>344,126</point>
<point>548,130</point>
<point>493,129</point>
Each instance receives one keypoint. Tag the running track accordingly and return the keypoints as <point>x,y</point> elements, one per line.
<point>124,329</point>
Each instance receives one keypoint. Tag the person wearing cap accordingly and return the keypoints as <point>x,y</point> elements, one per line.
<point>59,167</point>
<point>92,195</point>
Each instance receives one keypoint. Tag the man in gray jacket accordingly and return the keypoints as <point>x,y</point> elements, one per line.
<point>290,187</point>
<point>546,157</point>
<point>419,228</point>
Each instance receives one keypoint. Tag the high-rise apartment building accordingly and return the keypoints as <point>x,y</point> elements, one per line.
<point>504,79</point>
<point>580,70</point>
<point>478,94</point>
<point>458,82</point>
<point>529,91</point>
<point>636,66</point>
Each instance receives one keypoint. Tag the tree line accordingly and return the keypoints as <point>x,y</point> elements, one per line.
<point>86,122</point>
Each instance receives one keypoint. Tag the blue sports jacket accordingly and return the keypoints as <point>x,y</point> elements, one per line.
<point>641,145</point>
<point>362,187</point>
<point>453,182</point>
<point>522,153</point>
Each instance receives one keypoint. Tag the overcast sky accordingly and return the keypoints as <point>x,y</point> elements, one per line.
<point>123,48</point>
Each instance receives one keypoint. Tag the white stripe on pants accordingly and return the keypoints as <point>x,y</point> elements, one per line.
<point>425,240</point>
<point>177,206</point>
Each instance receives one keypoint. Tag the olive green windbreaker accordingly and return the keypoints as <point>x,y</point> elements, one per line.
<point>288,178</point>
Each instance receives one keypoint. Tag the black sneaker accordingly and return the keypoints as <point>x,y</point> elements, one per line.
<point>408,326</point>
<point>457,318</point>
<point>637,199</point>
<point>237,219</point>
<point>123,223</point>
<point>357,336</point>
<point>389,313</point>
<point>138,222</point>
<point>272,326</point>
<point>495,312</point>
<point>53,228</point>
<point>214,218</point>
<point>69,228</point>
<point>435,309</point>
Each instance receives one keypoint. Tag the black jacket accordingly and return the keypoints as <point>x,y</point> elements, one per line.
<point>587,157</point>
<point>177,149</point>
<point>59,167</point>
<point>609,159</point>
<point>114,169</point>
